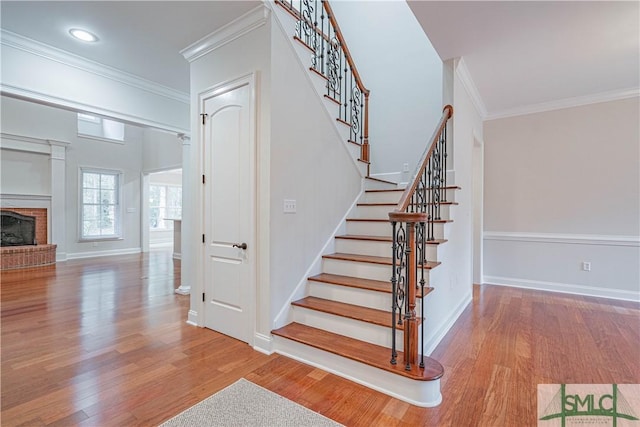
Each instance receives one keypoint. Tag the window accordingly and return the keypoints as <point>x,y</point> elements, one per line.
<point>100,204</point>
<point>98,127</point>
<point>165,201</point>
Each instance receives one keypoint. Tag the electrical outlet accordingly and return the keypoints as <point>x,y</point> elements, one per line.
<point>405,167</point>
<point>289,206</point>
<point>586,266</point>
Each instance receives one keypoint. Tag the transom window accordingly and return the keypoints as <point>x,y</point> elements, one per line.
<point>100,204</point>
<point>99,127</point>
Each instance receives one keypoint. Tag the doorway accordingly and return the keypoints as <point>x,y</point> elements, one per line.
<point>229,255</point>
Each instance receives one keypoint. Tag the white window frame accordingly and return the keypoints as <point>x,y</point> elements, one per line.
<point>118,217</point>
<point>166,186</point>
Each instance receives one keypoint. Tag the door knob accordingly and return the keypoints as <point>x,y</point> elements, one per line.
<point>242,246</point>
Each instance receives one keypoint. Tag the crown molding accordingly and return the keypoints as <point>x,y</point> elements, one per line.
<point>465,77</point>
<point>238,27</point>
<point>578,101</point>
<point>16,41</point>
<point>56,101</point>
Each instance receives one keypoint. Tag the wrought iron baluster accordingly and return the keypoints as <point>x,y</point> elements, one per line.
<point>423,262</point>
<point>444,138</point>
<point>394,247</point>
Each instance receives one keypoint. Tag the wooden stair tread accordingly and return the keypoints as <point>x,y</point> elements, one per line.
<point>330,98</point>
<point>351,311</point>
<point>359,283</point>
<point>383,181</point>
<point>448,187</point>
<point>384,239</point>
<point>371,259</point>
<point>360,351</point>
<point>437,221</point>
<point>395,204</point>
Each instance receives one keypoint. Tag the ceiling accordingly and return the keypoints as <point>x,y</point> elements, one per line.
<point>522,53</point>
<point>518,53</point>
<point>143,38</point>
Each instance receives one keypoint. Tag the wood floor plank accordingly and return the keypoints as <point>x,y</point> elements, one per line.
<point>104,342</point>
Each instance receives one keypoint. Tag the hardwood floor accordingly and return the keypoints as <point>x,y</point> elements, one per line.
<point>104,342</point>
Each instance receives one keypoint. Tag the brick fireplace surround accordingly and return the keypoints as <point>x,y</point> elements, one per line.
<point>13,257</point>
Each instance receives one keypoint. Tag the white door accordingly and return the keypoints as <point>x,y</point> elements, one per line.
<point>229,211</point>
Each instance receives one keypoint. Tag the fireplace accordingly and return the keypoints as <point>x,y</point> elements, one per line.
<point>17,229</point>
<point>24,239</point>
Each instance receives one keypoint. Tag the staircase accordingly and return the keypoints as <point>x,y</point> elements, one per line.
<point>355,321</point>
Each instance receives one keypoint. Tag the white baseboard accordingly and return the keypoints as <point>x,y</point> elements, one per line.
<point>112,252</point>
<point>61,256</point>
<point>431,344</point>
<point>262,343</point>
<point>192,318</point>
<point>562,287</point>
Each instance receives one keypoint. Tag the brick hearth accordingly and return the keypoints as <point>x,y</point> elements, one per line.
<point>27,256</point>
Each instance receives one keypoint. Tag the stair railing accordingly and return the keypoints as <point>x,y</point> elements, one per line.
<point>412,222</point>
<point>318,30</point>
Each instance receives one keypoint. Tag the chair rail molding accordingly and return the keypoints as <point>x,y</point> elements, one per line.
<point>573,239</point>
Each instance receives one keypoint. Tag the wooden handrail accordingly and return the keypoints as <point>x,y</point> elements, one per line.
<point>403,204</point>
<point>343,43</point>
<point>353,110</point>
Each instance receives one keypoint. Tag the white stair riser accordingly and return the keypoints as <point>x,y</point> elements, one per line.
<point>382,212</point>
<point>371,184</point>
<point>363,270</point>
<point>363,331</point>
<point>383,228</point>
<point>394,196</point>
<point>362,167</point>
<point>348,295</point>
<point>354,150</point>
<point>375,248</point>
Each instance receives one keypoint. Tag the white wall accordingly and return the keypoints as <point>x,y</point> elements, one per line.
<point>300,156</point>
<point>561,188</point>
<point>452,280</point>
<point>25,173</point>
<point>161,151</point>
<point>310,164</point>
<point>28,119</point>
<point>404,73</point>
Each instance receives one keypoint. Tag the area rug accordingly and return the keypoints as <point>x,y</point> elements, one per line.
<point>244,403</point>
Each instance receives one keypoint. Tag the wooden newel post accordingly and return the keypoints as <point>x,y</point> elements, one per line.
<point>411,321</point>
<point>365,143</point>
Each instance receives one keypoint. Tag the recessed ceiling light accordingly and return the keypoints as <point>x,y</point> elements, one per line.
<point>83,35</point>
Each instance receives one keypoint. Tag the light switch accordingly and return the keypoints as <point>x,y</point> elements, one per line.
<point>289,206</point>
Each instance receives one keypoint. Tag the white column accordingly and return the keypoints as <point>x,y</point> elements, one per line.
<point>187,205</point>
<point>57,214</point>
